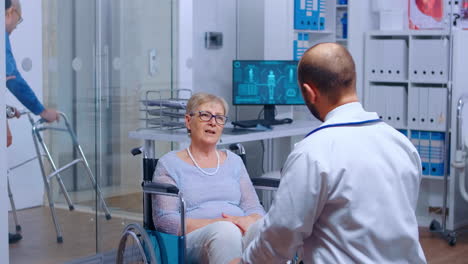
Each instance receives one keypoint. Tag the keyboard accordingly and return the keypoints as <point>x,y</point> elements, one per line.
<point>263,122</point>
<point>238,131</point>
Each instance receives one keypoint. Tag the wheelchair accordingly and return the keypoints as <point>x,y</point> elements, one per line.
<point>147,245</point>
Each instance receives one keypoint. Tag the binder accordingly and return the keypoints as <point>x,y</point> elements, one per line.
<point>300,45</point>
<point>321,14</point>
<point>387,99</point>
<point>371,104</point>
<point>380,102</point>
<point>423,123</point>
<point>428,65</point>
<point>437,156</point>
<point>437,112</point>
<point>397,103</point>
<point>403,131</point>
<point>309,14</point>
<point>413,107</point>
<point>414,138</point>
<point>424,151</point>
<point>395,53</point>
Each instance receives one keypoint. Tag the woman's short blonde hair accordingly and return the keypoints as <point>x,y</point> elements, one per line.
<point>202,98</point>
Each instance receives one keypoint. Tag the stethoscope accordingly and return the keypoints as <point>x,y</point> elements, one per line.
<point>345,124</point>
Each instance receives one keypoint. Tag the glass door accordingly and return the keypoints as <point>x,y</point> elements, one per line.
<point>100,58</point>
<point>135,54</point>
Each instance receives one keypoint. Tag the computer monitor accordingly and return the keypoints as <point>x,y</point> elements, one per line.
<point>267,83</point>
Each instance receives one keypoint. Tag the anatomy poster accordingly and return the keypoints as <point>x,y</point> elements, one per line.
<point>426,14</point>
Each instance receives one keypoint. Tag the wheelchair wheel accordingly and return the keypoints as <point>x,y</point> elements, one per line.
<point>135,246</point>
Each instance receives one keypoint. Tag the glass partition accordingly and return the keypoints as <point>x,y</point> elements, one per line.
<point>99,59</point>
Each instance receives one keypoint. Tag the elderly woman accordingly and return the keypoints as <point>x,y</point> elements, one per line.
<point>221,200</point>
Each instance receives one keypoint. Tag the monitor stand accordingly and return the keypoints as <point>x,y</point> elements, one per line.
<point>269,119</point>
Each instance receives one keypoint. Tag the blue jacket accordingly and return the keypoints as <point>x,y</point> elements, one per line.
<point>18,86</point>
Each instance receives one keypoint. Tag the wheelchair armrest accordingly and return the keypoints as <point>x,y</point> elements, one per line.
<point>160,188</point>
<point>266,182</point>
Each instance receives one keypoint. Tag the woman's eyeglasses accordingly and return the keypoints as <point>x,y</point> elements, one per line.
<point>207,116</point>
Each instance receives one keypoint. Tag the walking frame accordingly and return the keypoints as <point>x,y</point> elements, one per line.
<point>10,194</point>
<point>39,126</point>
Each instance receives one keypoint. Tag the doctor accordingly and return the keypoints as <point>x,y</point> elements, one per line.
<point>349,189</point>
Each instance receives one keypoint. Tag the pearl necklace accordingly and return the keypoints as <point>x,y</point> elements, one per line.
<point>196,164</point>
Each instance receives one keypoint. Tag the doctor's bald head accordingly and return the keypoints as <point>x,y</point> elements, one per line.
<point>330,68</point>
<point>327,77</point>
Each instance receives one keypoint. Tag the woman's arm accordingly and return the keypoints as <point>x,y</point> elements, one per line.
<point>166,215</point>
<point>249,200</point>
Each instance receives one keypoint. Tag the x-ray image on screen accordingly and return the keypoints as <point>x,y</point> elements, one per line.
<point>267,82</point>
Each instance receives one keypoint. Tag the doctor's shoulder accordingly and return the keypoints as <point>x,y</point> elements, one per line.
<point>312,146</point>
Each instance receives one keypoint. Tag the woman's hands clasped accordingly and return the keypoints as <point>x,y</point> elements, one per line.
<point>243,222</point>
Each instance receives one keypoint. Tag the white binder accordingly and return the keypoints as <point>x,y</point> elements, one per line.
<point>398,106</point>
<point>388,103</point>
<point>380,102</point>
<point>423,108</point>
<point>371,102</point>
<point>413,107</point>
<point>397,53</point>
<point>437,111</point>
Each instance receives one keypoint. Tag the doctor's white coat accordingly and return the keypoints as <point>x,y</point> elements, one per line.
<point>347,195</point>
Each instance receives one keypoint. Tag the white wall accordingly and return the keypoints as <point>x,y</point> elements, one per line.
<point>184,42</point>
<point>212,68</point>
<point>252,29</point>
<point>26,42</point>
<point>361,19</point>
<point>4,253</point>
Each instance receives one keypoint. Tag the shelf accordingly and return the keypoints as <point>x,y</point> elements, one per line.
<point>441,83</point>
<point>430,32</point>
<point>439,178</point>
<point>325,32</point>
<point>409,33</point>
<point>388,81</point>
<point>341,6</point>
<point>388,33</point>
<point>418,128</point>
<point>399,128</point>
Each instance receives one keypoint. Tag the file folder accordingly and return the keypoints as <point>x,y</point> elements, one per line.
<point>437,112</point>
<point>424,151</point>
<point>309,14</point>
<point>437,157</point>
<point>396,104</point>
<point>386,100</point>
<point>413,107</point>
<point>403,131</point>
<point>300,45</point>
<point>423,108</point>
<point>380,102</point>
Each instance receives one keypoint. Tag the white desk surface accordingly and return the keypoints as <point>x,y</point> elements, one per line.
<point>296,128</point>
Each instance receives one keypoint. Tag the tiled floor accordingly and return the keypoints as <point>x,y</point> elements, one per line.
<point>79,236</point>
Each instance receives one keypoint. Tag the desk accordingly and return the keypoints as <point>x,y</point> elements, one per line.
<point>297,128</point>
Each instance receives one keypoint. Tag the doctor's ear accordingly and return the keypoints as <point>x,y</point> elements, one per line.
<point>310,92</point>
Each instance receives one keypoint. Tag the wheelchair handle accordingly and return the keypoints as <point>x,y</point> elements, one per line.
<point>266,182</point>
<point>163,188</point>
<point>137,151</point>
